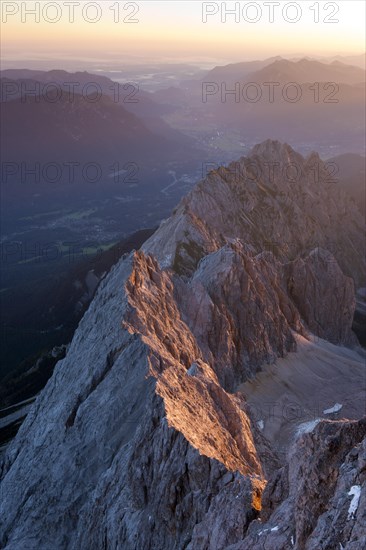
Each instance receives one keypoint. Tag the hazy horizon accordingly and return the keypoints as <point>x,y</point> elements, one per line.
<point>73,63</point>
<point>178,32</point>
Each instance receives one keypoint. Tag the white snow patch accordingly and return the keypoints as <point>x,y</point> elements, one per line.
<point>354,491</point>
<point>307,427</point>
<point>292,540</point>
<point>337,407</point>
<point>260,424</point>
<point>276,528</point>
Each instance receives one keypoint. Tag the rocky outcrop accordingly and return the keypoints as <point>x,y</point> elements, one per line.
<point>316,501</point>
<point>274,200</point>
<point>141,438</point>
<point>239,311</point>
<point>308,284</point>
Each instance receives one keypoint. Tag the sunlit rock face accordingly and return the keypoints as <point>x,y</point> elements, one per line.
<point>142,437</point>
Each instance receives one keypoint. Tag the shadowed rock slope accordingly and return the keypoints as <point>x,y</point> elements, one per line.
<point>275,200</point>
<point>141,438</point>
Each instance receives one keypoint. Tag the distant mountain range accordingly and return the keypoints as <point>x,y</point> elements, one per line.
<point>127,94</point>
<point>39,129</point>
<point>277,69</point>
<point>306,70</point>
<point>356,60</point>
<point>336,110</point>
<point>304,101</point>
<point>233,70</point>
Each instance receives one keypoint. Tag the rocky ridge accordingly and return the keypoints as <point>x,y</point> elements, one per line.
<point>274,200</point>
<point>141,438</point>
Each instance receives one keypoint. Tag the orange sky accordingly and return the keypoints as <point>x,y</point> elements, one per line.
<point>174,30</point>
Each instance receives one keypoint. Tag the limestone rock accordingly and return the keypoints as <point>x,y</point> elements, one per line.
<point>324,297</point>
<point>310,499</point>
<point>274,200</point>
<point>142,439</point>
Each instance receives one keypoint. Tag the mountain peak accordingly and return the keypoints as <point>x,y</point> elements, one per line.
<point>273,199</point>
<point>272,148</point>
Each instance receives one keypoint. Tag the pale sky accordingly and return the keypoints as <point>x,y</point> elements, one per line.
<point>169,30</point>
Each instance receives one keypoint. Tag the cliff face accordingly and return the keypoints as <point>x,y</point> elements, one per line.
<point>316,501</point>
<point>142,437</point>
<point>275,200</point>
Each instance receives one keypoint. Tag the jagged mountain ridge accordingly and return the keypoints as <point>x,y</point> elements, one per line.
<point>140,439</point>
<point>275,199</point>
